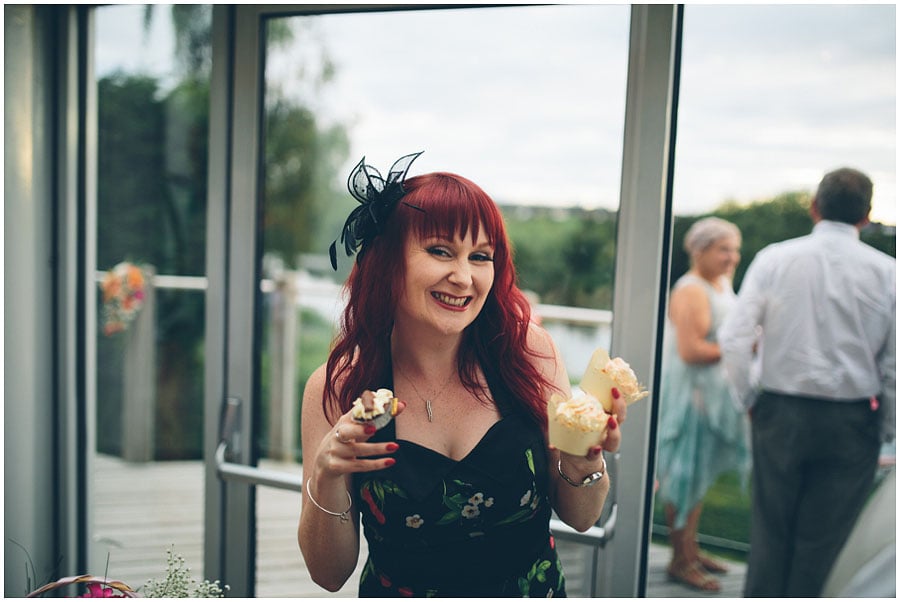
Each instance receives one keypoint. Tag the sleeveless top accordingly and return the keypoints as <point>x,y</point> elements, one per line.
<point>702,431</point>
<point>474,527</point>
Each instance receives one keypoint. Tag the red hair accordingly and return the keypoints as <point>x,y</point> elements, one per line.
<point>436,204</point>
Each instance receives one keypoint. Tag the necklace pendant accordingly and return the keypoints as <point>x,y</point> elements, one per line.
<point>428,409</point>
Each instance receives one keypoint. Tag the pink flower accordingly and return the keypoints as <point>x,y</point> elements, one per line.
<point>96,590</point>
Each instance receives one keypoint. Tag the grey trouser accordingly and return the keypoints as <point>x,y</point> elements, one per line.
<point>814,463</point>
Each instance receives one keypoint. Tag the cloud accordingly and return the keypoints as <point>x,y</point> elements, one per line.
<point>529,101</point>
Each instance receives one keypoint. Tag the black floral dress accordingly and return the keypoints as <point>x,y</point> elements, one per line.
<point>474,527</point>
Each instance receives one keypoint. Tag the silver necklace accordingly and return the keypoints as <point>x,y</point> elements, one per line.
<point>427,400</point>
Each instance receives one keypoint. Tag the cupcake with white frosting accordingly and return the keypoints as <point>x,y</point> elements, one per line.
<point>576,424</point>
<point>579,423</point>
<point>607,378</point>
<point>375,407</point>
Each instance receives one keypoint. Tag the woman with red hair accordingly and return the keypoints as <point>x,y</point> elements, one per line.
<point>455,494</point>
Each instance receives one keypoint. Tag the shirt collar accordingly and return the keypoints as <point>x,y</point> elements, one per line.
<point>832,227</point>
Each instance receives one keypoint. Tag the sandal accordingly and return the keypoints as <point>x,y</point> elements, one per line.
<point>712,565</point>
<point>694,576</point>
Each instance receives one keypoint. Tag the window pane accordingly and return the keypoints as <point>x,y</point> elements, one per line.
<point>152,66</point>
<point>771,98</point>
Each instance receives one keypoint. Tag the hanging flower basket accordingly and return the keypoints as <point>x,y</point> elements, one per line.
<point>123,290</point>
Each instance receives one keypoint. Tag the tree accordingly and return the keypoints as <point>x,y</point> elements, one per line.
<point>765,222</point>
<point>151,202</point>
<point>152,191</point>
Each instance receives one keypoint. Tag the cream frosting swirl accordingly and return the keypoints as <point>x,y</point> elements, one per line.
<point>626,380</point>
<point>382,399</point>
<point>583,412</point>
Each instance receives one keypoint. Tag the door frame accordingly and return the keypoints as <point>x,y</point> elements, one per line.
<point>232,298</point>
<point>229,508</point>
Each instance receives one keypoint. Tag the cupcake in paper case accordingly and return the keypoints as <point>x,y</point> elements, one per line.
<point>576,424</point>
<point>377,408</point>
<point>605,378</point>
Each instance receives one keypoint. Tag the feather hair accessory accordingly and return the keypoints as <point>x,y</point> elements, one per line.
<point>378,196</point>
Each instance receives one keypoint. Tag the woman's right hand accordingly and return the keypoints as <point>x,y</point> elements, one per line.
<point>328,531</point>
<point>346,449</point>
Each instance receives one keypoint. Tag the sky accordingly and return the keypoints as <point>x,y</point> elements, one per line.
<point>529,102</point>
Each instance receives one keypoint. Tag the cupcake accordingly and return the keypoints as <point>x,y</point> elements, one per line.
<point>606,378</point>
<point>377,408</point>
<point>576,424</point>
<point>579,423</point>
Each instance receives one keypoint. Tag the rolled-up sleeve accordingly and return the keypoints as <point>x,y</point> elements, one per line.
<point>739,333</point>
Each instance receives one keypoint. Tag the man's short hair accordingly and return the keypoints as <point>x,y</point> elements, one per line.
<point>844,195</point>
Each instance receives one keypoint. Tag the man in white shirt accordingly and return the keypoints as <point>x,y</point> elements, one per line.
<point>809,349</point>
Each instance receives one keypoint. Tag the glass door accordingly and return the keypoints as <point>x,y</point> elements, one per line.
<point>151,66</point>
<point>531,102</point>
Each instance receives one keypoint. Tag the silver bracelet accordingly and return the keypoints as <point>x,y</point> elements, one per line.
<point>586,481</point>
<point>344,516</point>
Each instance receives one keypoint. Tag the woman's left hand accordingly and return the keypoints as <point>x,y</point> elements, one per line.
<point>616,418</point>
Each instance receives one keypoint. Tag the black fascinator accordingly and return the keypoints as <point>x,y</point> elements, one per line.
<point>378,197</point>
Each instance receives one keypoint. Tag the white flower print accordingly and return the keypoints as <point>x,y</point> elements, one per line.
<point>489,502</point>
<point>415,521</point>
<point>476,499</point>
<point>525,498</point>
<point>471,511</point>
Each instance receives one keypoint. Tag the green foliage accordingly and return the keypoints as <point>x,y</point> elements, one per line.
<point>131,192</point>
<point>316,335</point>
<point>882,238</point>
<point>301,208</point>
<point>765,222</point>
<point>566,259</point>
<point>152,191</point>
<point>193,35</point>
<point>151,204</point>
<point>178,582</point>
<point>589,258</point>
<point>726,512</point>
<point>300,163</point>
<point>761,223</point>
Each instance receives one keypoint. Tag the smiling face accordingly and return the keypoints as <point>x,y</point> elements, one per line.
<point>447,281</point>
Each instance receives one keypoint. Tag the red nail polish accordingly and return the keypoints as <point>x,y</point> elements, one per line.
<point>389,462</point>
<point>370,429</point>
<point>615,393</point>
<point>392,446</point>
<point>611,423</point>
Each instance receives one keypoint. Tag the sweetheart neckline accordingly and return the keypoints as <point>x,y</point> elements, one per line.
<point>468,454</point>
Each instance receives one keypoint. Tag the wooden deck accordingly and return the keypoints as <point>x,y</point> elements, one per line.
<point>141,509</point>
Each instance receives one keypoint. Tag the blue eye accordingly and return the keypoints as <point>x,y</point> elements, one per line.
<point>438,251</point>
<point>482,257</point>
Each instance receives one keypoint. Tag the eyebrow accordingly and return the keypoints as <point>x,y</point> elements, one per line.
<point>445,239</point>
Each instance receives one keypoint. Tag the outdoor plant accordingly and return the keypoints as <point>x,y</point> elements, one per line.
<point>178,582</point>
